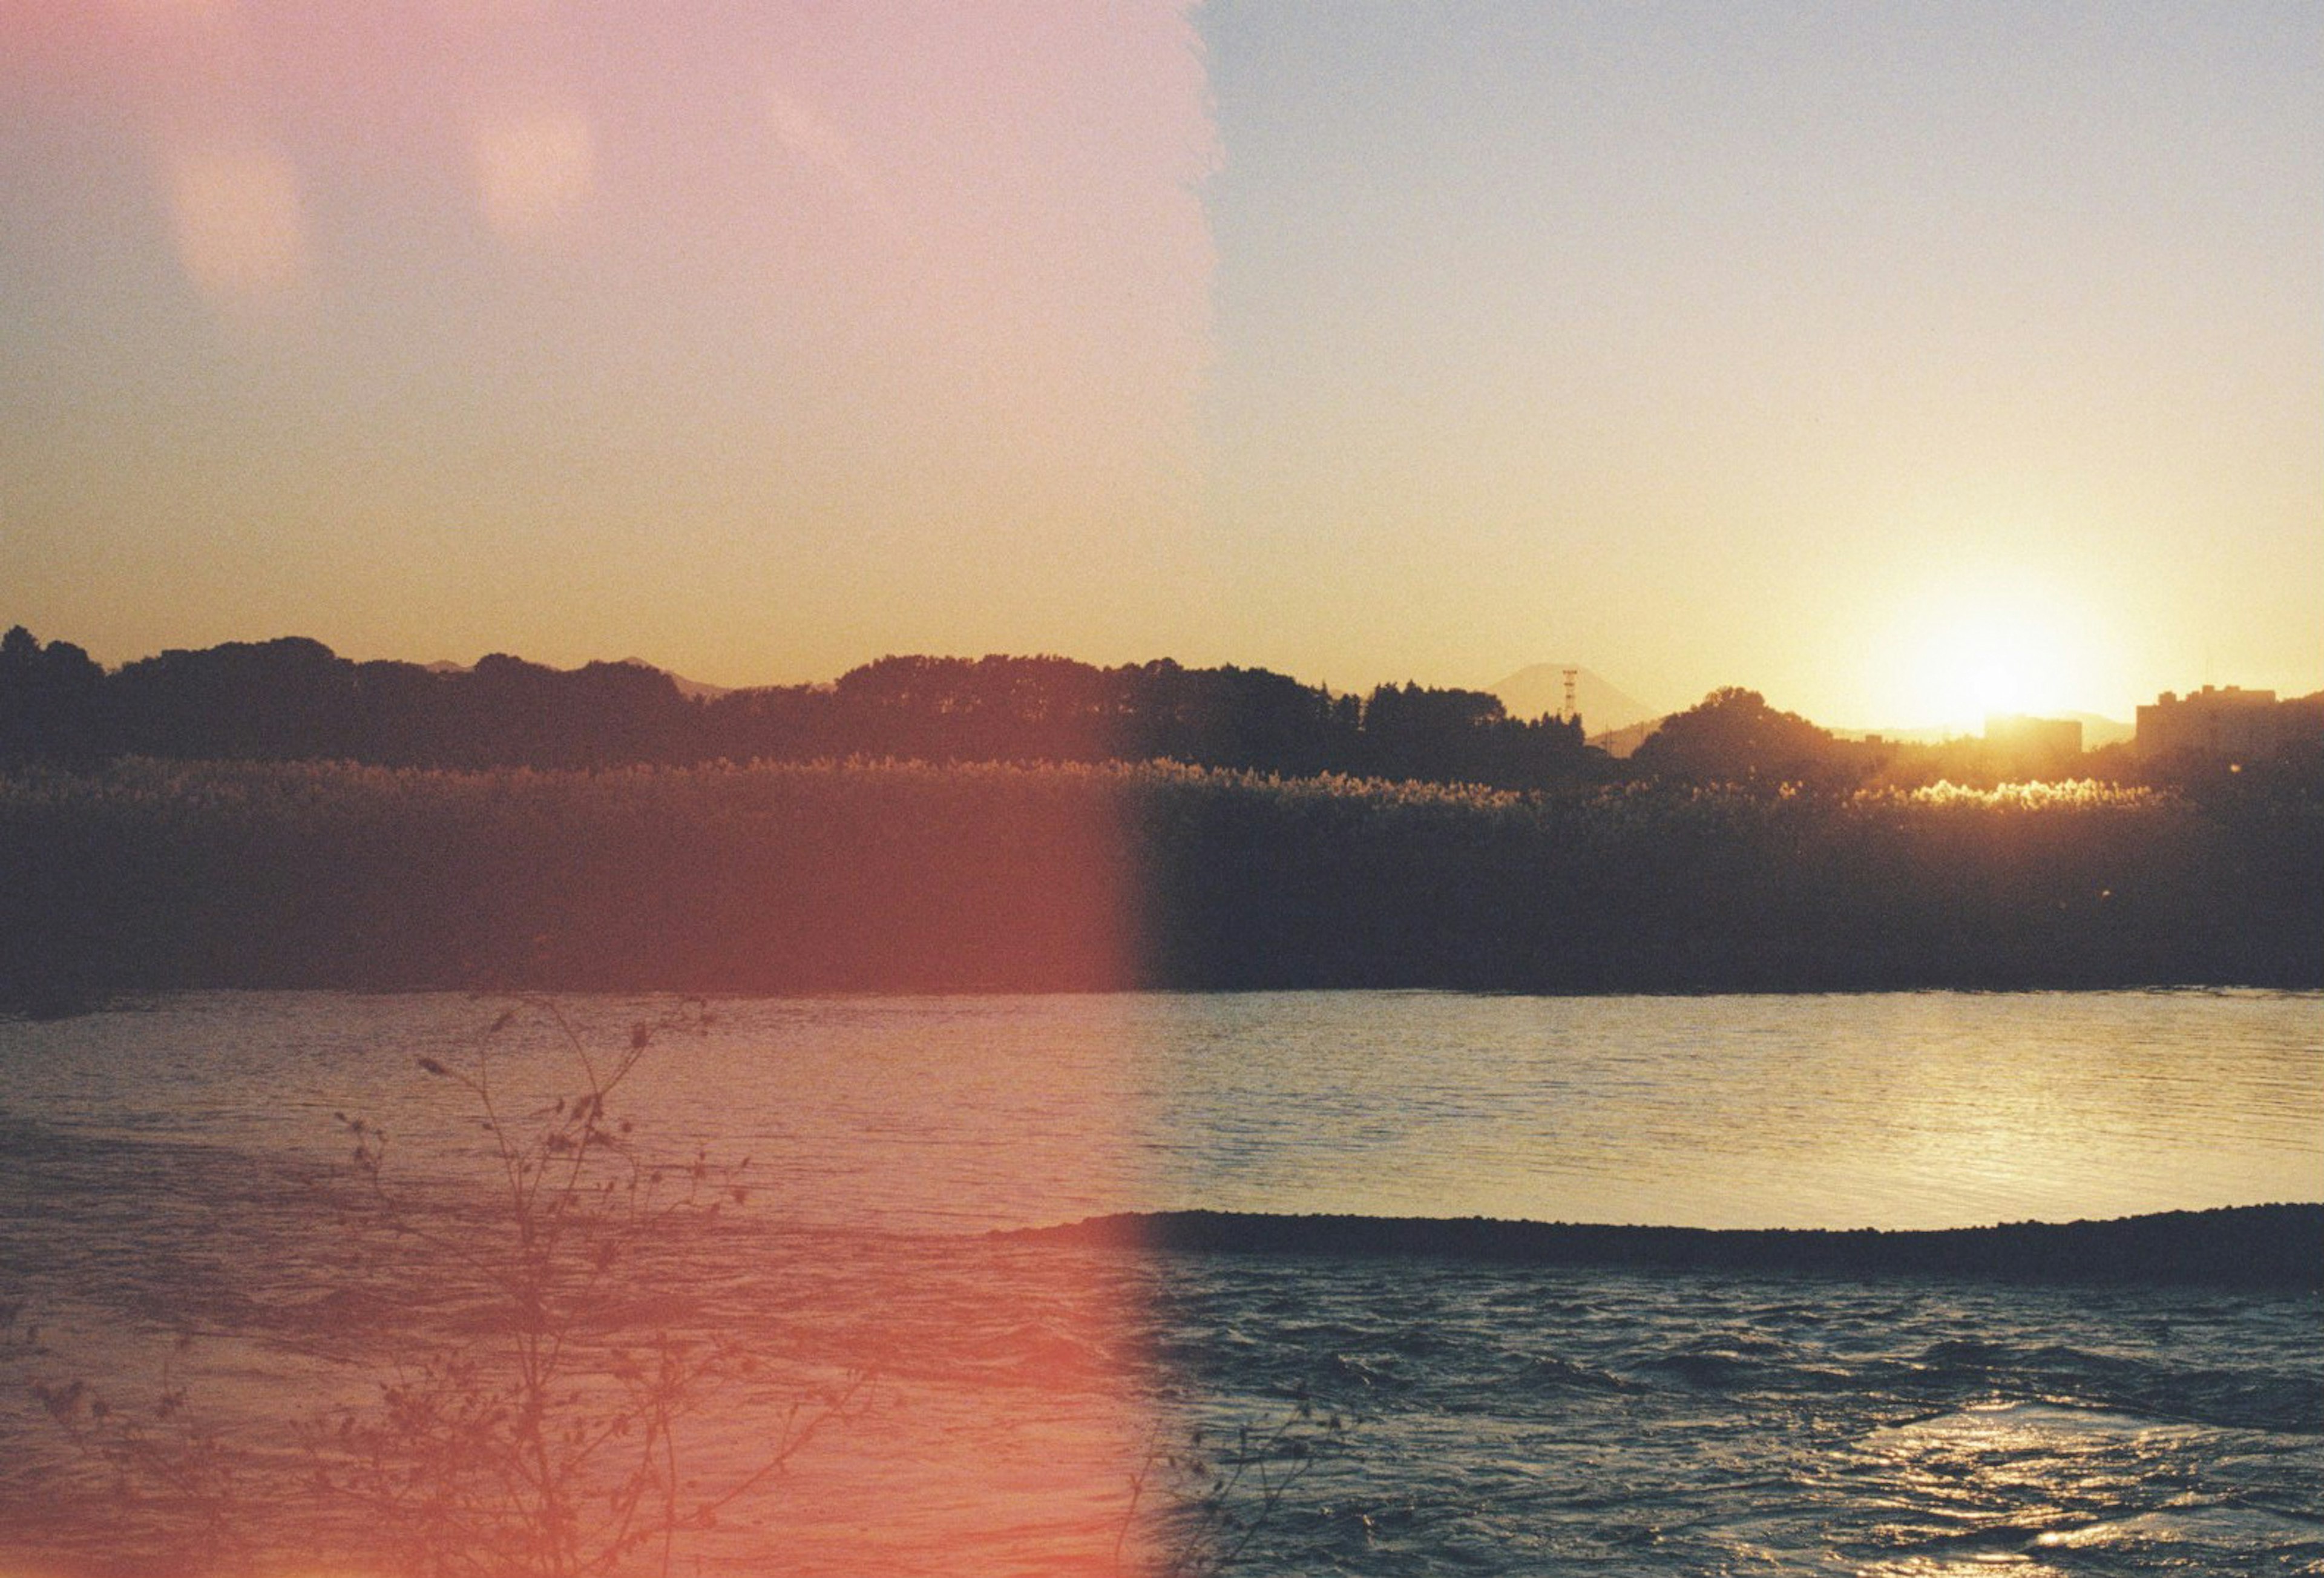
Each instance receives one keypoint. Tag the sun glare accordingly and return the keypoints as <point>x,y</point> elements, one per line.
<point>1963,658</point>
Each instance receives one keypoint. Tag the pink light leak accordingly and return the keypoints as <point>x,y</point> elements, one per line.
<point>983,222</point>
<point>731,256</point>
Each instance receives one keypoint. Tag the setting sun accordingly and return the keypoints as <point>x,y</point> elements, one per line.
<point>1968,654</point>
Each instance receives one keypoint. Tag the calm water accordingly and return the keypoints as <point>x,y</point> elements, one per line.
<point>171,1168</point>
<point>1909,1110</point>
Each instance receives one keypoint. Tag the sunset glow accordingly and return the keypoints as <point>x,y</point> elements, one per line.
<point>1146,786</point>
<point>1377,344</point>
<point>1962,658</point>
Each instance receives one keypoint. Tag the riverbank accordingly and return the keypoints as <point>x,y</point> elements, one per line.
<point>2273,1247</point>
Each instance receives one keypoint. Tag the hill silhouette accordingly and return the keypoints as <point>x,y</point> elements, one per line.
<point>2099,731</point>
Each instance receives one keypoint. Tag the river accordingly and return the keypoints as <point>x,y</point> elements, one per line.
<point>183,1217</point>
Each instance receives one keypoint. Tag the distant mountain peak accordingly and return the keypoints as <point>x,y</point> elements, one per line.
<point>1540,689</point>
<point>693,689</point>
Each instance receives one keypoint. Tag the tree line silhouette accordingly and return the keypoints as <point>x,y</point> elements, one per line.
<point>293,699</point>
<point>270,814</point>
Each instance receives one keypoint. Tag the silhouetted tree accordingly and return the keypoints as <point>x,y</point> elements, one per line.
<point>1405,726</point>
<point>1733,736</point>
<point>276,700</point>
<point>48,699</point>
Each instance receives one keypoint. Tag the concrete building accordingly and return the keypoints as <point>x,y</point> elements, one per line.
<point>2225,722</point>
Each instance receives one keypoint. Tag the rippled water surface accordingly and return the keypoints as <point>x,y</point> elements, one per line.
<point>178,1217</point>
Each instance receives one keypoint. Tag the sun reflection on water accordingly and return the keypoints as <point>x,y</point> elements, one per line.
<point>2014,1478</point>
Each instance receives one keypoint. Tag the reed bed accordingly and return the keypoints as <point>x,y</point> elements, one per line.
<point>900,875</point>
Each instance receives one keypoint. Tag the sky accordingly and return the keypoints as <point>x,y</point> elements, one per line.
<point>1903,362</point>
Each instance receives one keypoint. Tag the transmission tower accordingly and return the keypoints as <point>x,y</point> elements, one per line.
<point>1572,710</point>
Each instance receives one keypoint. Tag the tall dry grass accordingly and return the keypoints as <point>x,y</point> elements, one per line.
<point>886,875</point>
